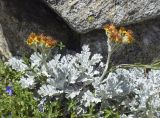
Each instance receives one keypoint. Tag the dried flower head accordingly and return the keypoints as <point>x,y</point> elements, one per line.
<point>112,33</point>
<point>119,36</point>
<point>34,39</point>
<point>127,35</point>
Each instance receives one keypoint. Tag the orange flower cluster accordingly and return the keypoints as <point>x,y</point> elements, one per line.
<point>34,39</point>
<point>119,36</point>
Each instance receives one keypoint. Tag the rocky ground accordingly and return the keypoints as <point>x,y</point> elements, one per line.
<point>76,22</point>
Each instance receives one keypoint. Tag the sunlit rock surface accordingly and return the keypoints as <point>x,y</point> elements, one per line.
<point>4,49</point>
<point>20,18</point>
<point>86,15</point>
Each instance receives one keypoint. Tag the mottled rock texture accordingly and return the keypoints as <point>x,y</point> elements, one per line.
<point>86,15</point>
<point>145,49</point>
<point>21,17</point>
<point>4,49</point>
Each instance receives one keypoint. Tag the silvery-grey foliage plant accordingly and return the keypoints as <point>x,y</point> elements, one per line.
<point>129,91</point>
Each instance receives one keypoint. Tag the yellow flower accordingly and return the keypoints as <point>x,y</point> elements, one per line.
<point>118,36</point>
<point>49,42</point>
<point>122,31</point>
<point>31,38</point>
<point>110,28</point>
<point>34,39</point>
<point>129,35</point>
<point>112,33</point>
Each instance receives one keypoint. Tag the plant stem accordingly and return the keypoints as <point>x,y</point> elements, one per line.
<point>108,60</point>
<point>45,54</point>
<point>44,60</point>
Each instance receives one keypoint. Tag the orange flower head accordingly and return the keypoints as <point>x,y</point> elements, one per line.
<point>112,33</point>
<point>31,38</point>
<point>50,42</point>
<point>122,31</point>
<point>110,28</point>
<point>129,34</point>
<point>34,39</point>
<point>118,36</point>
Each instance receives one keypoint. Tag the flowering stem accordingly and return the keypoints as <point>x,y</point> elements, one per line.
<point>108,60</point>
<point>44,60</point>
<point>44,57</point>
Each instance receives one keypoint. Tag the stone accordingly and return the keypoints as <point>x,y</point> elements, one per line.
<point>19,18</point>
<point>4,49</point>
<point>86,15</point>
<point>144,50</point>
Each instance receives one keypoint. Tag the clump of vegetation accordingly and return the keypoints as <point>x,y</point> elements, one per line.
<point>73,85</point>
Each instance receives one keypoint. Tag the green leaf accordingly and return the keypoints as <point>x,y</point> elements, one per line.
<point>61,45</point>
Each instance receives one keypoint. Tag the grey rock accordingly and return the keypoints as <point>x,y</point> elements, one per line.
<point>4,49</point>
<point>145,49</point>
<point>87,15</point>
<point>19,18</point>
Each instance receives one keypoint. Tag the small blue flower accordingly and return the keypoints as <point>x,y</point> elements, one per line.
<point>9,90</point>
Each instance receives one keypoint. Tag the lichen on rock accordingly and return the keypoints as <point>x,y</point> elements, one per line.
<point>77,12</point>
